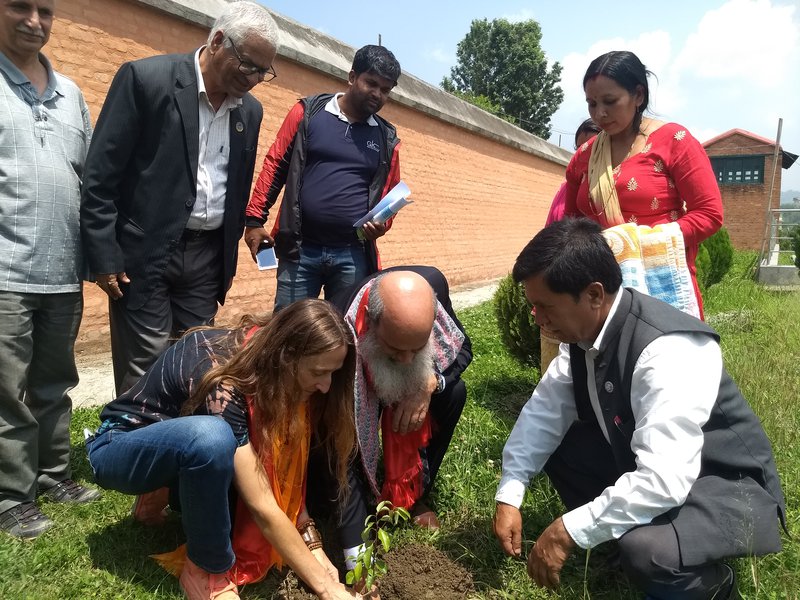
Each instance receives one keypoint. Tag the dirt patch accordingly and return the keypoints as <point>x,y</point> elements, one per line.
<point>291,588</point>
<point>96,385</point>
<point>418,571</point>
<point>415,572</point>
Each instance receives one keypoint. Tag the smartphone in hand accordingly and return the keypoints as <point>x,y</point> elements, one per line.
<point>266,259</point>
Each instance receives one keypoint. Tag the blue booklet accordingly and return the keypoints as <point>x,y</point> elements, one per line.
<point>388,207</point>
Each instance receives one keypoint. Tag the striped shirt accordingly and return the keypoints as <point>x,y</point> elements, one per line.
<point>212,162</point>
<point>161,392</point>
<point>43,144</point>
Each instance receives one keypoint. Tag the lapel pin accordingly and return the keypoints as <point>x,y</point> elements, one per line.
<point>239,126</point>
<point>609,387</point>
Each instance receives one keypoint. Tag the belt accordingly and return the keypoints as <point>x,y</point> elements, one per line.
<point>197,234</point>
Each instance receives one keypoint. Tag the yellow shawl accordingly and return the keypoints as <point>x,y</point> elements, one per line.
<point>602,188</point>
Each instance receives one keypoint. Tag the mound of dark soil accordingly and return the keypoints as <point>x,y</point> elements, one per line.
<point>417,572</point>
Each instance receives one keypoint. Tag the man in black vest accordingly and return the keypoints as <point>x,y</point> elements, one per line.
<point>642,432</point>
<point>334,158</point>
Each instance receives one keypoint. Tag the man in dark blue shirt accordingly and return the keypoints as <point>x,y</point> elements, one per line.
<point>336,159</point>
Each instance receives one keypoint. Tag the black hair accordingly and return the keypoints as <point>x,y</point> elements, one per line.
<point>627,70</point>
<point>571,254</point>
<point>588,126</point>
<point>377,60</point>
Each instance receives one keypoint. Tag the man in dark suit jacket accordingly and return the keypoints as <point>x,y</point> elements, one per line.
<point>412,350</point>
<point>167,180</point>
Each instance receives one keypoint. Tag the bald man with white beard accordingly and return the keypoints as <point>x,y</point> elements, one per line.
<point>412,350</point>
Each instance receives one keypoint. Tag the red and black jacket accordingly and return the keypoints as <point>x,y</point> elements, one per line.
<point>284,165</point>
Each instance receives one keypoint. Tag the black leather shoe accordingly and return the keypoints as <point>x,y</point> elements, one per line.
<point>72,492</point>
<point>727,589</point>
<point>25,521</point>
<point>729,584</point>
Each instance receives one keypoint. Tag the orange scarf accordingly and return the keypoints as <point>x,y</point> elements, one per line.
<point>285,468</point>
<point>255,556</point>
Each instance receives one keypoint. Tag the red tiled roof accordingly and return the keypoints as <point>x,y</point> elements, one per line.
<point>787,158</point>
<point>743,132</point>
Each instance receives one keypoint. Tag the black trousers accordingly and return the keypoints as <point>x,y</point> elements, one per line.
<point>185,296</point>
<point>445,409</point>
<point>580,469</point>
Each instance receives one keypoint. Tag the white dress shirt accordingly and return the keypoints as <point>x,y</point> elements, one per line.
<point>212,162</point>
<point>673,389</point>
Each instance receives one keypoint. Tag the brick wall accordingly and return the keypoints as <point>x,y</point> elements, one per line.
<point>745,205</point>
<point>477,201</point>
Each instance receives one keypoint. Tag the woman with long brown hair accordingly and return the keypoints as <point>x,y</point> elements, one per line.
<point>237,407</point>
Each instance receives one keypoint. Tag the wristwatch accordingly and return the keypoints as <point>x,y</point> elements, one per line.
<point>440,383</point>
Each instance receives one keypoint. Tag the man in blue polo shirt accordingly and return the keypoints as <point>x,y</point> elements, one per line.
<point>336,159</point>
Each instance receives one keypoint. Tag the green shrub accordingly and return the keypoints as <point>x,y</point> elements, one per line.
<point>720,254</point>
<point>518,331</point>
<point>703,265</point>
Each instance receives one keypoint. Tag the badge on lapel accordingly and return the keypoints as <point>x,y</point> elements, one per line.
<point>239,127</point>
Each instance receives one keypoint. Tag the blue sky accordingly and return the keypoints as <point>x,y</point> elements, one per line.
<point>720,64</point>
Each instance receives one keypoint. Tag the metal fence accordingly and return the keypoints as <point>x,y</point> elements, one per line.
<point>777,246</point>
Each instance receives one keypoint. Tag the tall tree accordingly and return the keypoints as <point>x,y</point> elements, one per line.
<point>503,62</point>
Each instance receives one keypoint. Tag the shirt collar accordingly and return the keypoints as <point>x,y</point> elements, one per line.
<point>230,101</point>
<point>333,107</point>
<point>17,77</point>
<point>594,348</point>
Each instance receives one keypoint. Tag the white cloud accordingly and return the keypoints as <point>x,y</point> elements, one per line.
<point>653,48</point>
<point>441,56</point>
<point>751,41</point>
<point>706,133</point>
<point>739,67</point>
<point>523,15</point>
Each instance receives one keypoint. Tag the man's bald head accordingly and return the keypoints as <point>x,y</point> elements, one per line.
<point>402,308</point>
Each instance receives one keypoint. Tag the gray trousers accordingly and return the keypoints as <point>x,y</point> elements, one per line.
<point>185,296</point>
<point>37,369</point>
<point>581,468</point>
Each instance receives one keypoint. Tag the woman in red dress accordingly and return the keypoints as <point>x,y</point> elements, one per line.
<point>639,169</point>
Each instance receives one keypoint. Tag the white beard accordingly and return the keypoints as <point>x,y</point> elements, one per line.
<point>393,381</point>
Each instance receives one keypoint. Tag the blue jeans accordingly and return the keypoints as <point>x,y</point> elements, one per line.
<point>337,269</point>
<point>195,454</point>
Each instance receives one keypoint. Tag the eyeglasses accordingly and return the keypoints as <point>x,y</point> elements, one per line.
<point>248,68</point>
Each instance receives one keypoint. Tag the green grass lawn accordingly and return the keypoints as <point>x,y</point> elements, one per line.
<point>97,552</point>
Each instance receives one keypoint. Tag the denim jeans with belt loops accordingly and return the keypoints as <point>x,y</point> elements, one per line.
<point>194,453</point>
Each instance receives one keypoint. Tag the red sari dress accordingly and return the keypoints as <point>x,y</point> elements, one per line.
<point>670,179</point>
